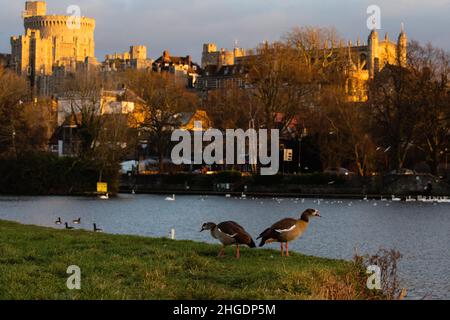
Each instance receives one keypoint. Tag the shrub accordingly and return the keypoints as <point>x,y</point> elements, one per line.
<point>40,173</point>
<point>387,261</point>
<point>228,177</point>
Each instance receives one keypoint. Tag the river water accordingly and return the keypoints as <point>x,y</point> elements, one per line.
<point>420,231</point>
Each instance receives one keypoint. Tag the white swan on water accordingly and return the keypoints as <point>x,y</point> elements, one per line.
<point>105,197</point>
<point>171,198</point>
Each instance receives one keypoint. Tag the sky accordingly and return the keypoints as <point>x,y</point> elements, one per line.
<point>182,26</point>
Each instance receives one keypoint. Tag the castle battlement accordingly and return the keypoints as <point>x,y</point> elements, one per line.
<point>49,20</point>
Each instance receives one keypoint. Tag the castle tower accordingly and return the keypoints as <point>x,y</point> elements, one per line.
<point>51,41</point>
<point>209,54</point>
<point>209,47</point>
<point>138,52</point>
<point>402,45</point>
<point>373,44</point>
<point>238,52</point>
<point>35,9</point>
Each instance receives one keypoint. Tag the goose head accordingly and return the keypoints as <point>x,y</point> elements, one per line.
<point>208,226</point>
<point>308,213</point>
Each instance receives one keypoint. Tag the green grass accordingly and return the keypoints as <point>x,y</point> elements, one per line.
<point>34,260</point>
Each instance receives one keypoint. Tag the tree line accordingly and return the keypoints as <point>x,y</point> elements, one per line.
<point>300,84</point>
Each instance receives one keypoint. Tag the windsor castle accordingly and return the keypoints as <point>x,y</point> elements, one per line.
<point>51,45</point>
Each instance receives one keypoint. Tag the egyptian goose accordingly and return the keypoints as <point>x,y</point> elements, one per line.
<point>229,233</point>
<point>287,230</point>
<point>67,226</point>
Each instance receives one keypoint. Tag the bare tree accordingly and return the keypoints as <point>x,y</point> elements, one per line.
<point>163,98</point>
<point>346,130</point>
<point>14,125</point>
<point>286,77</point>
<point>432,66</point>
<point>410,106</point>
<point>230,108</point>
<point>396,105</point>
<point>83,93</point>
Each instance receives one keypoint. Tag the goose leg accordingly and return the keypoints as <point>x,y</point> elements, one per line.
<point>238,253</point>
<point>221,252</point>
<point>282,249</point>
<point>287,249</point>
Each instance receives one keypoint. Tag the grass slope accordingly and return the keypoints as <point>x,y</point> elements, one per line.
<point>34,260</point>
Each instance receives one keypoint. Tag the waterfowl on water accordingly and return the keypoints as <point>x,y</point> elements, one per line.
<point>105,196</point>
<point>287,230</point>
<point>229,233</point>
<point>97,229</point>
<point>58,221</point>
<point>77,221</point>
<point>171,198</point>
<point>68,227</point>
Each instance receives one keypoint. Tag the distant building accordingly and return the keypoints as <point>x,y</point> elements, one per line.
<point>365,61</point>
<point>213,57</point>
<point>187,120</point>
<point>182,67</point>
<point>107,102</point>
<point>123,103</point>
<point>214,77</point>
<point>135,59</point>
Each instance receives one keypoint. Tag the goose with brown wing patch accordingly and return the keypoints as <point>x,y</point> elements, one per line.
<point>229,233</point>
<point>287,230</point>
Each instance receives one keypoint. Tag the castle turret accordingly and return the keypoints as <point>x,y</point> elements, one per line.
<point>373,53</point>
<point>402,47</point>
<point>138,52</point>
<point>209,54</point>
<point>35,9</point>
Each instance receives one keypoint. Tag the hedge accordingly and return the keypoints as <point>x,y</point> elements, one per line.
<point>47,174</point>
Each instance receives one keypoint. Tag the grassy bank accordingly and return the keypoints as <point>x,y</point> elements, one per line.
<point>34,260</point>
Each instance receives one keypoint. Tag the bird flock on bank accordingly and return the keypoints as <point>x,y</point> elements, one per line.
<point>75,222</point>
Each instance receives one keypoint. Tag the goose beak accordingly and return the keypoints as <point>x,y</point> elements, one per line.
<point>202,230</point>
<point>318,214</point>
